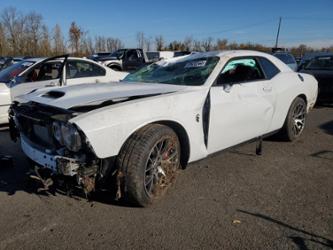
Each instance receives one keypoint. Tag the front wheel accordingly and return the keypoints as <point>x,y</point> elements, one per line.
<point>149,162</point>
<point>295,121</point>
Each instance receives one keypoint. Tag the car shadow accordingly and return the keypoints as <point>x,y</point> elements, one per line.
<point>17,177</point>
<point>299,241</point>
<point>323,154</point>
<point>322,105</point>
<point>327,127</point>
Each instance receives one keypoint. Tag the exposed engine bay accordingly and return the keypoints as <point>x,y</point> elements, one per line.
<point>53,143</point>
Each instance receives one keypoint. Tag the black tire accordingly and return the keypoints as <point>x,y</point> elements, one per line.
<point>295,120</point>
<point>147,171</point>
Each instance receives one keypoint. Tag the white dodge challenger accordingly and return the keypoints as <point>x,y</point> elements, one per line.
<point>136,134</point>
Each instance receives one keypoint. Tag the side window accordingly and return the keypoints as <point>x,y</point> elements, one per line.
<point>239,71</point>
<point>132,55</point>
<point>44,72</point>
<point>78,69</point>
<point>268,67</point>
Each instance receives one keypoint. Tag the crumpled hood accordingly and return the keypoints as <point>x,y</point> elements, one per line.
<point>94,94</point>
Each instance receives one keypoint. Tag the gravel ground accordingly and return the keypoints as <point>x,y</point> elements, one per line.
<point>232,200</point>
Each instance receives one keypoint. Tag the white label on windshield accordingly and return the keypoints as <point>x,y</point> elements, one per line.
<point>27,64</point>
<point>196,64</point>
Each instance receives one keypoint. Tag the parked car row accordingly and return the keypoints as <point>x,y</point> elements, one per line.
<point>136,134</point>
<point>35,73</point>
<point>133,59</point>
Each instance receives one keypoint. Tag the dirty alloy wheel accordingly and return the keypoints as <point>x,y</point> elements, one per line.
<point>295,121</point>
<point>149,162</point>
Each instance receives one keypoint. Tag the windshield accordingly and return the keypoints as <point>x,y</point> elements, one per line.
<point>321,63</point>
<point>118,54</point>
<point>12,71</point>
<point>191,71</point>
<point>286,58</point>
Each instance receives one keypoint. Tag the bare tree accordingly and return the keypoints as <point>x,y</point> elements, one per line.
<point>13,23</point>
<point>114,44</point>
<point>233,45</point>
<point>159,41</point>
<point>33,33</point>
<point>140,37</point>
<point>45,44</point>
<point>221,44</point>
<point>100,44</point>
<point>188,43</point>
<point>148,42</point>
<point>3,44</point>
<point>75,34</point>
<point>87,46</point>
<point>58,41</point>
<point>207,44</point>
<point>197,45</point>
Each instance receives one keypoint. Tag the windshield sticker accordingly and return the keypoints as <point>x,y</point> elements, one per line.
<point>27,64</point>
<point>196,64</point>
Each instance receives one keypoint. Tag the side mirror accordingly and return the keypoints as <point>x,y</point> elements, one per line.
<point>227,87</point>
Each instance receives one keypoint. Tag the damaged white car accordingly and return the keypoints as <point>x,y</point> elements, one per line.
<point>162,117</point>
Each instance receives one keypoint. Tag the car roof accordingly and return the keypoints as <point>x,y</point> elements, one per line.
<point>38,59</point>
<point>234,53</point>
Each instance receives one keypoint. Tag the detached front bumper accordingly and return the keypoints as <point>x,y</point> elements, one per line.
<point>57,164</point>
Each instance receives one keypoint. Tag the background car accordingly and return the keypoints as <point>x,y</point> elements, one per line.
<point>34,73</point>
<point>308,57</point>
<point>288,59</point>
<point>160,118</point>
<point>321,67</point>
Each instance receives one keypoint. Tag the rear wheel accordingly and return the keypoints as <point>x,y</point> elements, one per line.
<point>295,121</point>
<point>149,162</point>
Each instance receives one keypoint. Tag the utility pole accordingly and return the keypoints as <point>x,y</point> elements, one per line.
<point>278,33</point>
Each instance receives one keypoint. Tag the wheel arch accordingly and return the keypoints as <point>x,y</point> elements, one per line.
<point>180,132</point>
<point>183,139</point>
<point>114,65</point>
<point>303,96</point>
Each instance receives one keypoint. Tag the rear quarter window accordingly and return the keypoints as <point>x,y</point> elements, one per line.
<point>270,70</point>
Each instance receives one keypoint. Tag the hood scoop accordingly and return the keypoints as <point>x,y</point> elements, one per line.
<point>53,94</point>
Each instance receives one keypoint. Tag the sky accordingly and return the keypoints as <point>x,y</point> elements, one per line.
<point>303,21</point>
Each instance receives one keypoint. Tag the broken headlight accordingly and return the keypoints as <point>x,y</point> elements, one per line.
<point>67,135</point>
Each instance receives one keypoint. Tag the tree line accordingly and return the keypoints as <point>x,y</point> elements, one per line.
<point>27,35</point>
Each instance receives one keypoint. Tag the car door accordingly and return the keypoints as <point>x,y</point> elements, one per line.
<point>45,74</point>
<point>81,71</point>
<point>239,111</point>
<point>133,60</point>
